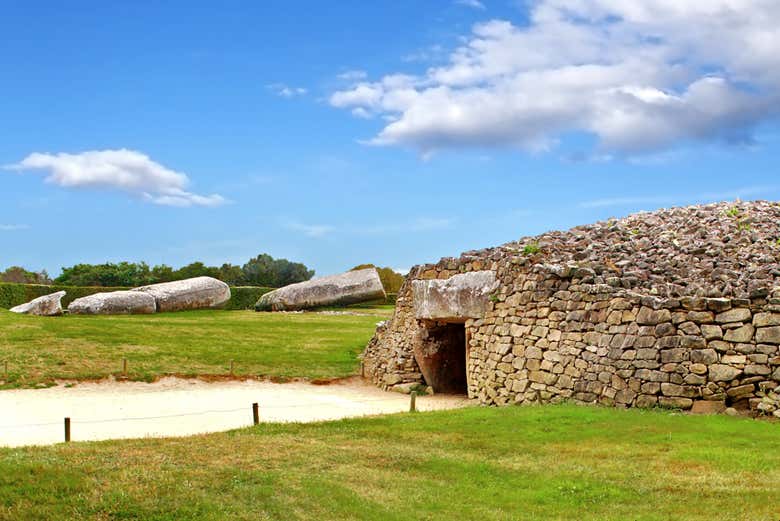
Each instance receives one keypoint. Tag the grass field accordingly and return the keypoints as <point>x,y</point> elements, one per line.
<point>41,349</point>
<point>531,463</point>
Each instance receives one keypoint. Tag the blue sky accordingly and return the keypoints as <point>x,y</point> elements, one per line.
<point>397,132</point>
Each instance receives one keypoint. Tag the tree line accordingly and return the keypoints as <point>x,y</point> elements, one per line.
<point>262,270</point>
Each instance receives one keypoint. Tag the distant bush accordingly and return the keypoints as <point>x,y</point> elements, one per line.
<point>241,297</point>
<point>14,294</point>
<point>391,279</point>
<point>20,275</point>
<point>245,297</point>
<point>260,271</point>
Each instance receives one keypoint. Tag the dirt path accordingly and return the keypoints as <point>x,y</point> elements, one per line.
<point>178,407</point>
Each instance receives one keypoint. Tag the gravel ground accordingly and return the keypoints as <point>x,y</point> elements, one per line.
<point>179,407</point>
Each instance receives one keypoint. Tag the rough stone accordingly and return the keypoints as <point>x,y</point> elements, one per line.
<point>466,295</point>
<point>723,373</point>
<point>114,303</point>
<point>768,335</point>
<point>346,288</point>
<point>707,407</point>
<point>733,315</point>
<point>652,317</point>
<point>45,306</point>
<point>194,293</point>
<point>704,356</point>
<point>766,319</point>
<point>742,334</point>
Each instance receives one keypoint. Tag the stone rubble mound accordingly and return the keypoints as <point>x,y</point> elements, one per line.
<point>677,308</point>
<point>714,250</point>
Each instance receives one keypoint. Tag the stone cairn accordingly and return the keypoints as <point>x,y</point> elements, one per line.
<point>677,308</point>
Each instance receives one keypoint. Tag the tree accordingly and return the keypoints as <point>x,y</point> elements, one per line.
<point>196,269</point>
<point>232,275</point>
<point>391,279</point>
<point>20,275</point>
<point>264,270</point>
<point>108,274</point>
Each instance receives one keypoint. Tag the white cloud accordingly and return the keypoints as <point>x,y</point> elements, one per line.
<point>416,225</point>
<point>126,170</point>
<point>748,191</point>
<point>639,76</point>
<point>286,91</point>
<point>474,4</point>
<point>13,227</point>
<point>311,230</point>
<point>353,75</point>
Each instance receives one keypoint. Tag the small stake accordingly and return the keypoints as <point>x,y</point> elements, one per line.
<point>231,368</point>
<point>124,367</point>
<point>413,401</point>
<point>5,368</point>
<point>255,413</point>
<point>67,429</point>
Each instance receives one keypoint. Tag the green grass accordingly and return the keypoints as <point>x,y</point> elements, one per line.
<point>530,463</point>
<point>42,349</point>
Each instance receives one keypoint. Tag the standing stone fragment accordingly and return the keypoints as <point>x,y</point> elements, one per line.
<point>45,306</point>
<point>347,288</point>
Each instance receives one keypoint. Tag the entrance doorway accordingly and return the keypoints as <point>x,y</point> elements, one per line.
<point>441,354</point>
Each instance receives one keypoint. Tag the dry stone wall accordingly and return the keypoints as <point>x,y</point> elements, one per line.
<point>599,333</point>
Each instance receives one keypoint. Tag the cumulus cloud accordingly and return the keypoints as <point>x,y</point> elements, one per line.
<point>639,76</point>
<point>415,225</point>
<point>285,91</point>
<point>13,227</point>
<point>654,200</point>
<point>353,75</point>
<point>311,230</point>
<point>474,4</point>
<point>126,170</point>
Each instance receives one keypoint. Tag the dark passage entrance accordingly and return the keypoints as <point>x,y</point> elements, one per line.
<point>441,355</point>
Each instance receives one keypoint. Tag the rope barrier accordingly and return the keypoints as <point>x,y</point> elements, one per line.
<point>201,413</point>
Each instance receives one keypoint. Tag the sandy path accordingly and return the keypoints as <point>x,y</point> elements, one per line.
<point>35,416</point>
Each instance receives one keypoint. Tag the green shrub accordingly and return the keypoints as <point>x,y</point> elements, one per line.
<point>12,294</point>
<point>531,249</point>
<point>245,297</point>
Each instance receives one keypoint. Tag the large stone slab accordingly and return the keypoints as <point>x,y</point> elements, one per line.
<point>346,288</point>
<point>466,295</point>
<point>45,306</point>
<point>195,293</point>
<point>114,303</point>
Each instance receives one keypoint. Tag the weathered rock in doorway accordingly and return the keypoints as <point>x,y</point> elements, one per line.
<point>462,296</point>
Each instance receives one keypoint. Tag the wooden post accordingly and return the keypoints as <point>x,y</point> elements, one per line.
<point>67,429</point>
<point>5,368</point>
<point>124,367</point>
<point>255,413</point>
<point>231,367</point>
<point>413,401</point>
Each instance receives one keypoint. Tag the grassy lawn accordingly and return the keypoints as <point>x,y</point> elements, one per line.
<point>41,349</point>
<point>531,463</point>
